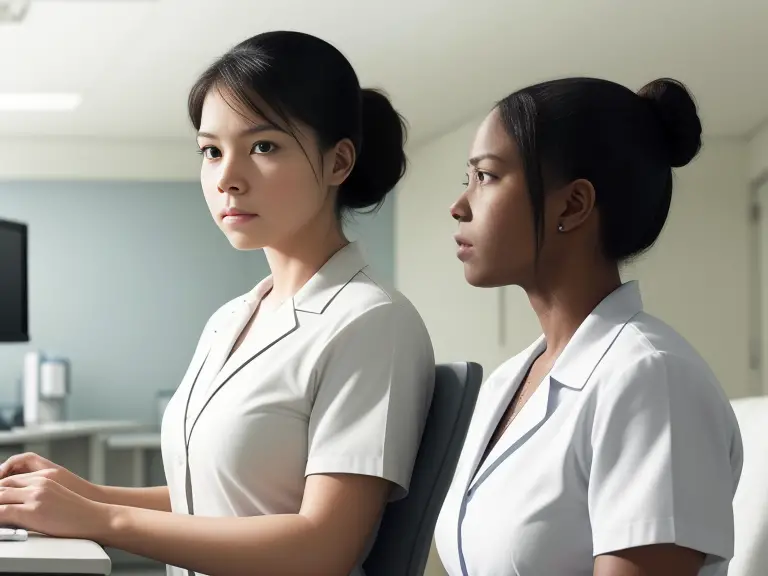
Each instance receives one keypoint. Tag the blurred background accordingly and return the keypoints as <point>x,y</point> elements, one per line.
<point>125,264</point>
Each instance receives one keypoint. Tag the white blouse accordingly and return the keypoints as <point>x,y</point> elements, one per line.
<point>338,379</point>
<point>629,441</point>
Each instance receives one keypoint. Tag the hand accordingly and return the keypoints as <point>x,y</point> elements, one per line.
<point>31,465</point>
<point>40,504</point>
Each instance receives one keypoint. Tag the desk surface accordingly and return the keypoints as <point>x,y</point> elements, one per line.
<point>143,441</point>
<point>44,555</point>
<point>62,430</point>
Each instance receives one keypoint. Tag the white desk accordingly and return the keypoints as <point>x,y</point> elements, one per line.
<point>38,439</point>
<point>44,555</point>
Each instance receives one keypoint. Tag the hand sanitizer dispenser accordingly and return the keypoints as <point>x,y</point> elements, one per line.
<point>46,387</point>
<point>54,389</point>
<point>31,386</point>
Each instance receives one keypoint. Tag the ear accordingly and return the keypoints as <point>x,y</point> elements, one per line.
<point>342,159</point>
<point>576,206</point>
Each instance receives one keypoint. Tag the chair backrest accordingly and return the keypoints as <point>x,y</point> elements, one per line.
<point>750,505</point>
<point>405,536</point>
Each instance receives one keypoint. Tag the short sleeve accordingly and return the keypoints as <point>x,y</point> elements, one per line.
<point>373,392</point>
<point>665,460</point>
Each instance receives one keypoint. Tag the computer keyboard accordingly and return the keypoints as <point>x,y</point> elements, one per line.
<point>11,534</point>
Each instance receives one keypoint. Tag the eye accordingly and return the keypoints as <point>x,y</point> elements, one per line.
<point>479,176</point>
<point>210,152</point>
<point>483,177</point>
<point>263,148</point>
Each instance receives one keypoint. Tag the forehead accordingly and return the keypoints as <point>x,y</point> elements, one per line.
<point>224,108</point>
<point>492,138</point>
<point>223,112</point>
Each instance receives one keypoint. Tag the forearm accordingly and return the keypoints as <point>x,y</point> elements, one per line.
<point>152,498</point>
<point>275,545</point>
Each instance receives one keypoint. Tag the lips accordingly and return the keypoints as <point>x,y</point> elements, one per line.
<point>465,248</point>
<point>462,242</point>
<point>234,218</point>
<point>233,212</point>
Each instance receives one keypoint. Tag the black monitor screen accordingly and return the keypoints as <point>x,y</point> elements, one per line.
<point>14,314</point>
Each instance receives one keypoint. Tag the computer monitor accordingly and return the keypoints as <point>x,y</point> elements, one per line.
<point>14,299</point>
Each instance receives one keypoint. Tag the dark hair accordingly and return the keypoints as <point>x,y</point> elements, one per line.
<point>625,144</point>
<point>290,77</point>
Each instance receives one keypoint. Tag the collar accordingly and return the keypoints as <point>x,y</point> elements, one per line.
<point>324,285</point>
<point>596,335</point>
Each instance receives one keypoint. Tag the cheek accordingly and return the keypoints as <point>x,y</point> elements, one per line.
<point>507,237</point>
<point>508,227</point>
<point>209,183</point>
<point>289,192</point>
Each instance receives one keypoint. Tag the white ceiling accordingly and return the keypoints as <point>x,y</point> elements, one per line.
<point>442,61</point>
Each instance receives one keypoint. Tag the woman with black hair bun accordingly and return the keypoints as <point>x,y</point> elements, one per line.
<point>302,411</point>
<point>608,447</point>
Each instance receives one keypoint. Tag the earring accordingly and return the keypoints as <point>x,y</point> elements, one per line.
<point>560,228</point>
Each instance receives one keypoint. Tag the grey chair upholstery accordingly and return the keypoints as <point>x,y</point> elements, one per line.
<point>405,536</point>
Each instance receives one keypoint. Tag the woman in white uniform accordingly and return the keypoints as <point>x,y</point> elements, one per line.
<point>303,408</point>
<point>608,447</point>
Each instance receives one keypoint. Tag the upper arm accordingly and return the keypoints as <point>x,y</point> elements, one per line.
<point>374,388</point>
<point>661,469</point>
<point>658,560</point>
<point>344,509</point>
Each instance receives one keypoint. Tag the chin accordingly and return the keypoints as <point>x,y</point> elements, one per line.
<point>484,278</point>
<point>476,277</point>
<point>243,242</point>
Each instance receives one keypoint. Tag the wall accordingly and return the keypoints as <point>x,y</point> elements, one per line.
<point>123,276</point>
<point>60,158</point>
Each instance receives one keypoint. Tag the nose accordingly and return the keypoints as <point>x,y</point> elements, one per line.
<point>233,190</point>
<point>460,210</point>
<point>230,179</point>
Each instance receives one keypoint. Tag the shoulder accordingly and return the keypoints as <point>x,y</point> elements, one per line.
<point>366,302</point>
<point>648,346</point>
<point>651,366</point>
<point>372,331</point>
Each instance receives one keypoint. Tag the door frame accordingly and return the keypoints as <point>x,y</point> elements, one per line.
<point>758,320</point>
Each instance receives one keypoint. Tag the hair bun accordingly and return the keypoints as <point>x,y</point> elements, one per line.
<point>679,118</point>
<point>381,159</point>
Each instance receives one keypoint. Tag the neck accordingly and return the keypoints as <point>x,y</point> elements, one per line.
<point>564,302</point>
<point>294,263</point>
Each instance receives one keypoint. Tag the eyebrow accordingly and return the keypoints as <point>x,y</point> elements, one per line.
<point>247,132</point>
<point>475,160</point>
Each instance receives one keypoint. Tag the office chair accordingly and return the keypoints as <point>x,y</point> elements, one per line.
<point>405,536</point>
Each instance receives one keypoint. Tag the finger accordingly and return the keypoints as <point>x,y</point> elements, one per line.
<point>10,515</point>
<point>18,515</point>
<point>22,476</point>
<point>8,466</point>
<point>24,480</point>
<point>10,496</point>
<point>17,463</point>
